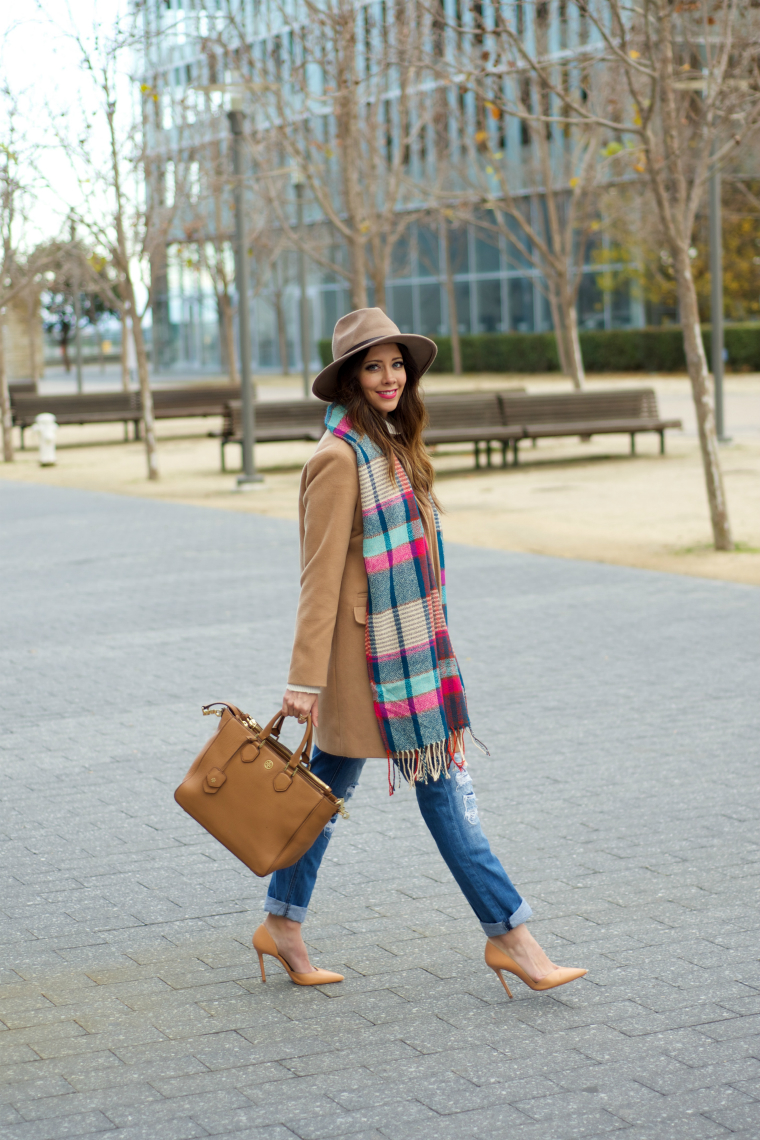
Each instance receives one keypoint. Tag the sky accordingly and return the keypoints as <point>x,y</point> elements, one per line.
<point>41,65</point>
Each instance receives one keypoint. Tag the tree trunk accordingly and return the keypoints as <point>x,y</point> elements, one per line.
<point>5,401</point>
<point>358,253</point>
<point>124,354</point>
<point>228,333</point>
<point>379,270</point>
<point>282,333</point>
<point>451,298</point>
<point>32,324</point>
<point>559,331</point>
<point>696,362</point>
<point>569,322</point>
<point>378,280</point>
<point>146,395</point>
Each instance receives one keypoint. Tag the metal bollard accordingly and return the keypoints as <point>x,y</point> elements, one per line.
<point>46,428</point>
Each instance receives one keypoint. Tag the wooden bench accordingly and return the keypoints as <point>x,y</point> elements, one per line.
<point>585,414</point>
<point>193,400</point>
<point>79,408</point>
<point>124,407</point>
<point>464,417</point>
<point>481,418</point>
<point>276,422</point>
<point>461,417</point>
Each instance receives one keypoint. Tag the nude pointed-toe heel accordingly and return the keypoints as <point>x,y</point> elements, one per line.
<point>263,943</point>
<point>497,960</point>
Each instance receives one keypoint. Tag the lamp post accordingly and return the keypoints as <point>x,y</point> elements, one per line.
<point>249,474</point>
<point>297,179</point>
<point>77,310</point>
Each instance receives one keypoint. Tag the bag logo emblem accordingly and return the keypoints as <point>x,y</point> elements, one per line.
<point>269,763</point>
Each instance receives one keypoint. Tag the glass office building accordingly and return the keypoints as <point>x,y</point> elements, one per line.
<point>494,289</point>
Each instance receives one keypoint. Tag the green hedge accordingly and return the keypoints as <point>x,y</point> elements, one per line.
<point>613,350</point>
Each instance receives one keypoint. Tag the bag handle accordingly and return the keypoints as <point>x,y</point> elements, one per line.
<point>302,754</point>
<point>249,721</point>
<point>211,710</point>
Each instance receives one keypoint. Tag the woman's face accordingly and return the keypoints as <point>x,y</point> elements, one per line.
<point>382,376</point>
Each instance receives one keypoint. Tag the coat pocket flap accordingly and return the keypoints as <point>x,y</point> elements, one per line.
<point>360,613</point>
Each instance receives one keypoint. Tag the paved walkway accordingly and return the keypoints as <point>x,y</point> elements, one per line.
<point>620,707</point>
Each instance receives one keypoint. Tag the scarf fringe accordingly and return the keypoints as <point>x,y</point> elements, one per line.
<point>418,765</point>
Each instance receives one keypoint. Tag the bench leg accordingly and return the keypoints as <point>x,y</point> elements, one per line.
<point>504,453</point>
<point>221,448</point>
<point>633,443</point>
<point>21,429</point>
<point>476,446</point>
<point>126,431</point>
<point>516,449</point>
<point>662,443</point>
<point>535,441</point>
<point>488,453</point>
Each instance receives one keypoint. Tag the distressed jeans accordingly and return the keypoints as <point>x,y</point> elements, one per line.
<point>450,811</point>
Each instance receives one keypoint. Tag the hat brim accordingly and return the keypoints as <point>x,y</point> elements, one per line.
<point>423,352</point>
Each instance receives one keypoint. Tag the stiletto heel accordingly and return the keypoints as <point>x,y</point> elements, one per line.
<point>263,943</point>
<point>497,960</point>
<point>500,976</point>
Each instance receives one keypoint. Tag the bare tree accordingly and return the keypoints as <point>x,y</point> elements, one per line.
<point>686,95</point>
<point>338,98</point>
<point>21,265</point>
<point>533,171</point>
<point>123,206</point>
<point>692,82</point>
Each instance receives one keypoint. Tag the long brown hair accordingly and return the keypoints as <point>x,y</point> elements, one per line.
<point>409,419</point>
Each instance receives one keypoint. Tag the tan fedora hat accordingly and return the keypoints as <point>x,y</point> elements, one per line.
<point>360,330</point>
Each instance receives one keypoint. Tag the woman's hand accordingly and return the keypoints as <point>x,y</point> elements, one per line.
<point>300,705</point>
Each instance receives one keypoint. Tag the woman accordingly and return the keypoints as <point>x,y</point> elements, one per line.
<point>372,662</point>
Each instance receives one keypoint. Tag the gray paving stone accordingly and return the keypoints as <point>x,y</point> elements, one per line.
<point>615,795</point>
<point>76,1125</point>
<point>744,1116</point>
<point>9,1115</point>
<point>168,1130</point>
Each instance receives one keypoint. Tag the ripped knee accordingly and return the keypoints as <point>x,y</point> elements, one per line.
<point>465,789</point>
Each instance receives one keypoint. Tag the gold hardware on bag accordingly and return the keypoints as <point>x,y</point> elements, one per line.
<point>342,809</point>
<point>269,764</point>
<point>305,768</point>
<point>212,712</point>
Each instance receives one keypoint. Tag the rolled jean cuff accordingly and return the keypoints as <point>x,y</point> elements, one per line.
<point>286,910</point>
<point>522,914</point>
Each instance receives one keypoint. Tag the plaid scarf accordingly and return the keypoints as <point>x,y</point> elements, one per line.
<point>417,688</point>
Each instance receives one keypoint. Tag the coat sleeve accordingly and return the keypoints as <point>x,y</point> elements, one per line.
<point>330,495</point>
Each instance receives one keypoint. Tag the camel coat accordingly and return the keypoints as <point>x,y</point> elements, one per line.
<point>328,648</point>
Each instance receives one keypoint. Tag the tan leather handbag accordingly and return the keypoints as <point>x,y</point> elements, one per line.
<point>258,799</point>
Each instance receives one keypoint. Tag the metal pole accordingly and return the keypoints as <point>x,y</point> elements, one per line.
<point>305,338</point>
<point>77,312</point>
<point>249,475</point>
<point>716,299</point>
